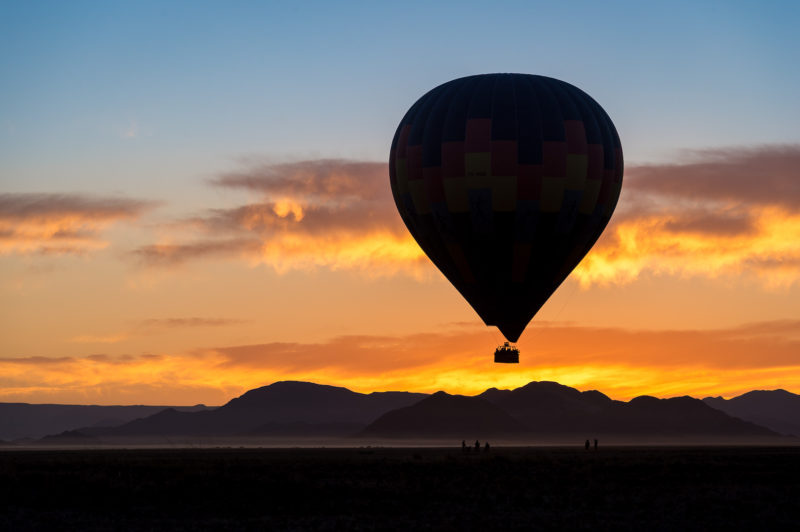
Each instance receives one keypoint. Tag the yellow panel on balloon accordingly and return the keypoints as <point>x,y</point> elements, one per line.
<point>478,164</point>
<point>401,175</point>
<point>552,194</point>
<point>419,195</point>
<point>577,168</point>
<point>591,190</point>
<point>455,193</point>
<point>504,193</point>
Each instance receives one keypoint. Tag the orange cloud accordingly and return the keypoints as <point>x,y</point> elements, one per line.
<point>620,362</point>
<point>726,212</point>
<point>60,223</point>
<point>731,212</point>
<point>336,214</point>
<point>667,244</point>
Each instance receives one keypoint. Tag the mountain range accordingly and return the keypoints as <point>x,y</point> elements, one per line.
<point>536,412</point>
<point>23,420</point>
<point>777,409</point>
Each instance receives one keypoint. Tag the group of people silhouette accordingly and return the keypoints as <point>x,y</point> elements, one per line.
<point>467,448</point>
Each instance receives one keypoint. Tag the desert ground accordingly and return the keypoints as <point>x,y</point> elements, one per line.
<point>619,488</point>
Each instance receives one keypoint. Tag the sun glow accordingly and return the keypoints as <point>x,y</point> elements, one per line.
<point>769,251</point>
<point>377,254</point>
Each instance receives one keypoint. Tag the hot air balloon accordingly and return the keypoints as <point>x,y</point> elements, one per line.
<point>506,181</point>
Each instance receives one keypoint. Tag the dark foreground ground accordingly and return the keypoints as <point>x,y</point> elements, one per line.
<point>401,489</point>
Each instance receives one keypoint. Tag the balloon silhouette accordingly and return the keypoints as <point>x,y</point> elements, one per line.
<point>506,181</point>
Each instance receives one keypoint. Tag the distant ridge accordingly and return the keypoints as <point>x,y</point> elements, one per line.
<point>778,410</point>
<point>444,415</point>
<point>548,410</point>
<point>24,420</point>
<point>537,412</point>
<point>286,408</point>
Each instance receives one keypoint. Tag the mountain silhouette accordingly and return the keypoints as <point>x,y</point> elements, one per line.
<point>677,416</point>
<point>23,420</point>
<point>778,410</point>
<point>282,408</point>
<point>445,415</point>
<point>536,412</point>
<point>549,407</point>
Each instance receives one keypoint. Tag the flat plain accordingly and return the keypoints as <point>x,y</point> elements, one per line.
<point>619,488</point>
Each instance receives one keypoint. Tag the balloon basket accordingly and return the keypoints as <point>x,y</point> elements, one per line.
<point>506,354</point>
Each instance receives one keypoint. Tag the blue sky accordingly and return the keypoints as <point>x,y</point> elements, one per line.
<point>93,89</point>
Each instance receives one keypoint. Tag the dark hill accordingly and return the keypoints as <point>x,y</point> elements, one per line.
<point>549,407</point>
<point>675,417</point>
<point>778,410</point>
<point>444,415</point>
<point>538,411</point>
<point>282,408</point>
<point>24,420</point>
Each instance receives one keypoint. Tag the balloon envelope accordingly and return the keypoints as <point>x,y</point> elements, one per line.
<point>506,181</point>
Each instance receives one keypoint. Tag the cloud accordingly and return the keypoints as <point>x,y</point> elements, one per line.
<point>728,212</point>
<point>155,326</point>
<point>171,254</point>
<point>765,176</point>
<point>56,224</point>
<point>180,323</point>
<point>107,379</point>
<point>332,213</point>
<point>621,362</point>
<point>322,180</point>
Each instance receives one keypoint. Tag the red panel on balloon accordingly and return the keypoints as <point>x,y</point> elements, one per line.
<point>529,181</point>
<point>478,135</point>
<point>414,156</point>
<point>576,137</point>
<point>504,157</point>
<point>433,184</point>
<point>555,159</point>
<point>453,159</point>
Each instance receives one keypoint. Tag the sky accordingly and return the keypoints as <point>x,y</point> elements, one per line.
<point>195,201</point>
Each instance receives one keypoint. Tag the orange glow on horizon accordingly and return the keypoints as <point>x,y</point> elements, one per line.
<point>622,364</point>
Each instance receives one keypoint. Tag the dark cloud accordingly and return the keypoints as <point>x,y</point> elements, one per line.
<point>172,254</point>
<point>327,195</point>
<point>36,207</point>
<point>320,180</point>
<point>36,360</point>
<point>263,218</point>
<point>59,224</point>
<point>767,175</point>
<point>723,223</point>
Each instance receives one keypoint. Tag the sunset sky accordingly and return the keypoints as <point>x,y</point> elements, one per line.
<point>195,199</point>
